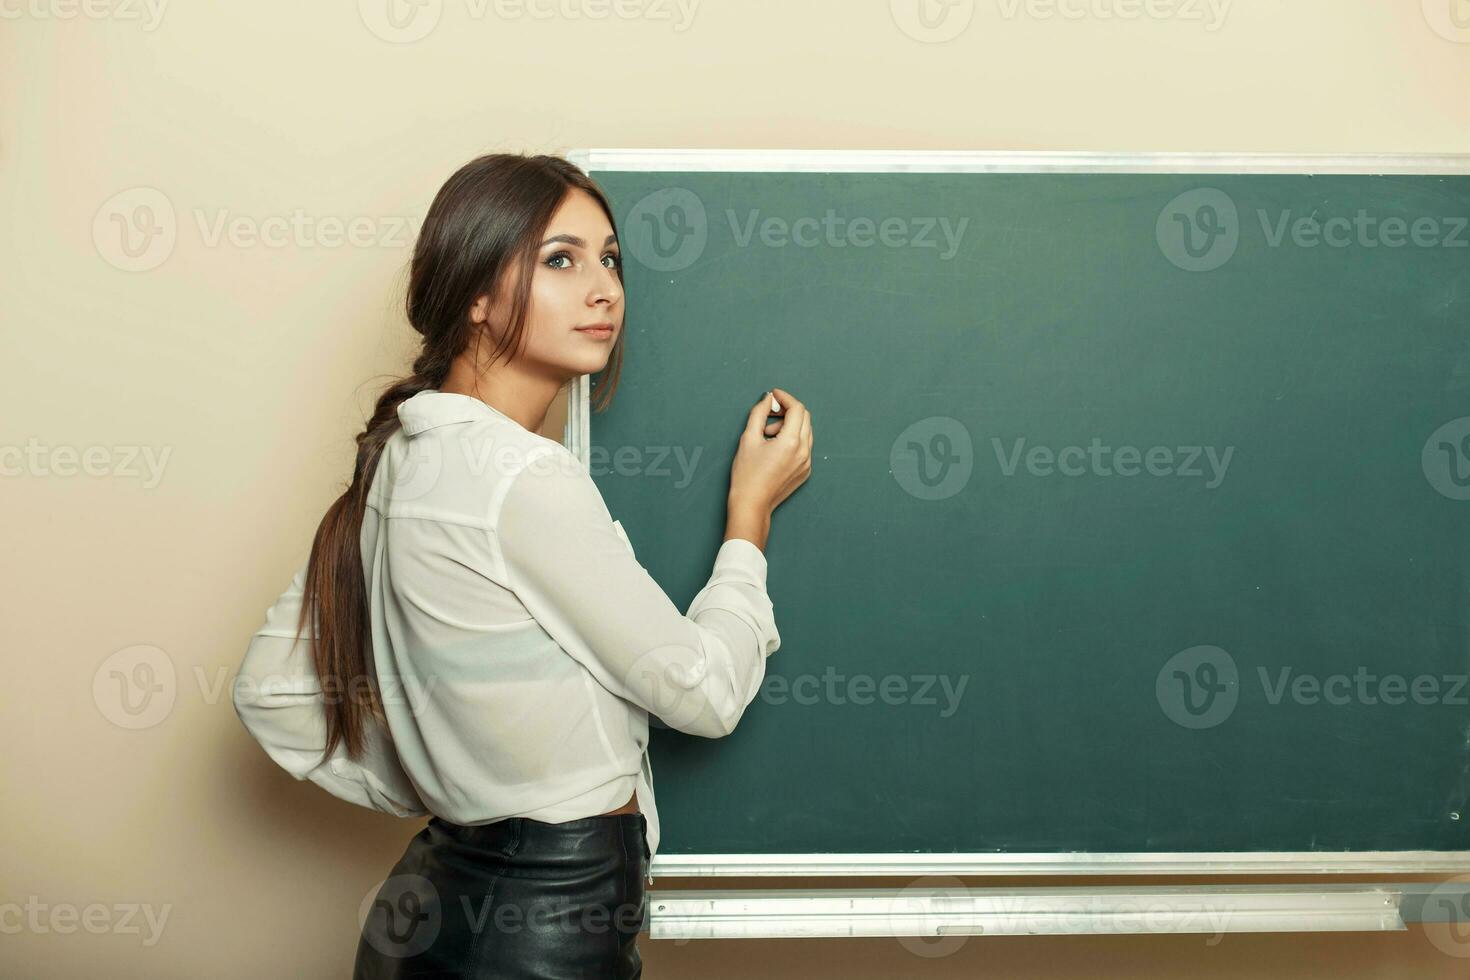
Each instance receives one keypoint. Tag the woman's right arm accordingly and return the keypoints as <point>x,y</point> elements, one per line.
<point>279,699</point>
<point>561,553</point>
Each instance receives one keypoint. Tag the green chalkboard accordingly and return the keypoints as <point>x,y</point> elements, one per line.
<point>1139,510</point>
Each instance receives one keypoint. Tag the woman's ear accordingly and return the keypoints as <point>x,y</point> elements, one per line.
<point>480,312</point>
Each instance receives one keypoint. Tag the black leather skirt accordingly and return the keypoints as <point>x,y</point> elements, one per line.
<point>517,898</point>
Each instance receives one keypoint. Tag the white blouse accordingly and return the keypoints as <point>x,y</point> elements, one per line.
<point>518,645</point>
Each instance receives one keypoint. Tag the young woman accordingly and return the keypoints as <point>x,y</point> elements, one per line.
<point>478,607</point>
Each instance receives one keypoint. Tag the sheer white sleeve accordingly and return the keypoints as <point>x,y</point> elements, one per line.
<point>564,557</point>
<point>278,697</point>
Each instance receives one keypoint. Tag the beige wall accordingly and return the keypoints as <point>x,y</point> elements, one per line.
<point>243,368</point>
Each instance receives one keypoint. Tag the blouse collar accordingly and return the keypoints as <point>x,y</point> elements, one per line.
<point>432,407</point>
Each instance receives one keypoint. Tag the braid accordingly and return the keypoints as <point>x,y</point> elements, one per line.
<point>335,573</point>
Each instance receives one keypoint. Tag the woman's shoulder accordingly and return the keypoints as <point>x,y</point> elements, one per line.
<point>462,472</point>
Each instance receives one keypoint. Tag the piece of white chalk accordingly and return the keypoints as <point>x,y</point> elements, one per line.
<point>775,405</point>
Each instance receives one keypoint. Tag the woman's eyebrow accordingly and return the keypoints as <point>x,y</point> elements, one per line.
<point>574,240</point>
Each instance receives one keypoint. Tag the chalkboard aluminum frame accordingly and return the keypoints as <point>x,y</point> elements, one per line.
<point>577,437</point>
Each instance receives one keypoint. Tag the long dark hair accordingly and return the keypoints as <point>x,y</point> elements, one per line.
<point>488,216</point>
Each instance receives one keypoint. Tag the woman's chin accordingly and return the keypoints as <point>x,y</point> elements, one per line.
<point>589,365</point>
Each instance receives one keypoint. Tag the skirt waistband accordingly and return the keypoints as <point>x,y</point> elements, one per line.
<point>527,832</point>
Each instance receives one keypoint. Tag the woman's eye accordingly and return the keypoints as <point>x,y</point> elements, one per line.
<point>617,260</point>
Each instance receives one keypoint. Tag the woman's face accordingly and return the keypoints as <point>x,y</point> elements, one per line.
<point>577,283</point>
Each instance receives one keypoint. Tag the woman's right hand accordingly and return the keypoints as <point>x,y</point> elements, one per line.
<point>766,470</point>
